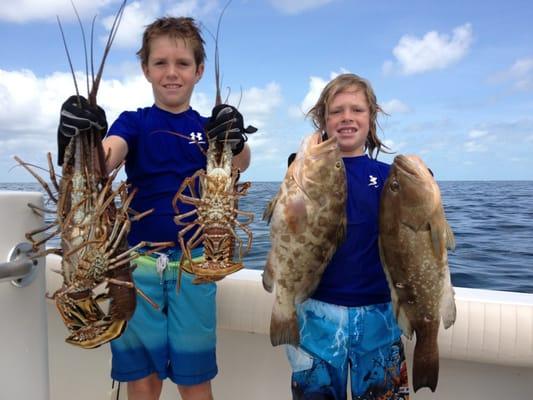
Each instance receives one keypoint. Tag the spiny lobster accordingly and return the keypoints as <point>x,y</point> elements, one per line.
<point>93,220</point>
<point>216,208</point>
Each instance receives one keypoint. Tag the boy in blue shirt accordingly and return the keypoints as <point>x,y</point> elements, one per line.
<point>347,326</point>
<point>177,341</point>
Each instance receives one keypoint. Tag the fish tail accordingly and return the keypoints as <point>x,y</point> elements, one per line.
<point>283,329</point>
<point>426,362</point>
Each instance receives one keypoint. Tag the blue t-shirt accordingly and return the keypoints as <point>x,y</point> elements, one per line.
<point>162,151</point>
<point>354,276</point>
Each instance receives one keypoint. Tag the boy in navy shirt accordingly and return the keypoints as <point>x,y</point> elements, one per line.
<point>347,326</point>
<point>177,341</point>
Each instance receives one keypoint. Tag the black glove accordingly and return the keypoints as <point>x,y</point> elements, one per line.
<point>226,125</point>
<point>74,120</point>
<point>291,158</point>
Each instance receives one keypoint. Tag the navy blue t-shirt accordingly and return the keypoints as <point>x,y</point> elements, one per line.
<point>354,276</point>
<point>162,152</point>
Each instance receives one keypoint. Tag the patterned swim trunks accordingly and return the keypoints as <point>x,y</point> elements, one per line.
<point>178,340</point>
<point>363,342</point>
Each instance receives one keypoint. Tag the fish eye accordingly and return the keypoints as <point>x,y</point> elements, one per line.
<point>395,185</point>
<point>338,164</point>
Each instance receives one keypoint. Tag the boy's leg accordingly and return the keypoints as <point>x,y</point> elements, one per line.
<point>319,365</point>
<point>191,332</point>
<point>148,388</point>
<point>377,359</point>
<point>141,351</point>
<point>201,391</point>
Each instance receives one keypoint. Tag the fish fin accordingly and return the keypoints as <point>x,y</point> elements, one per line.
<point>284,330</point>
<point>404,323</point>
<point>268,274</point>
<point>448,310</point>
<point>426,359</point>
<point>450,238</point>
<point>269,209</point>
<point>341,232</point>
<point>437,239</point>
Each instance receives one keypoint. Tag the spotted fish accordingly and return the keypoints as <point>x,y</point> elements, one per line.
<point>413,239</point>
<point>307,223</point>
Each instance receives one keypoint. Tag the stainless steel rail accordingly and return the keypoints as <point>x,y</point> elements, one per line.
<point>19,268</point>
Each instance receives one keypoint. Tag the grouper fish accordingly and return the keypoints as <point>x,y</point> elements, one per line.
<point>307,224</point>
<point>413,240</point>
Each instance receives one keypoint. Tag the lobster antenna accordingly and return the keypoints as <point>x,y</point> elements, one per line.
<point>84,44</point>
<point>111,37</point>
<point>68,57</point>
<point>92,49</point>
<point>218,99</point>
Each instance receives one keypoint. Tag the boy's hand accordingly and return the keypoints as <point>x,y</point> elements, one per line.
<point>226,125</point>
<point>74,120</point>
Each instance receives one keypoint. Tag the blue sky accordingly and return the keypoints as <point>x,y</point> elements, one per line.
<point>455,77</point>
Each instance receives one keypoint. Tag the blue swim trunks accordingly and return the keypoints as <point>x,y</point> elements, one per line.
<point>336,340</point>
<point>177,341</point>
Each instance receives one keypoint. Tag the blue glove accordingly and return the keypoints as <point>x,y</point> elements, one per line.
<point>75,120</point>
<point>226,125</point>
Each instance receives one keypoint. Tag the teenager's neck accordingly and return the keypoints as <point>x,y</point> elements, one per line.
<point>173,110</point>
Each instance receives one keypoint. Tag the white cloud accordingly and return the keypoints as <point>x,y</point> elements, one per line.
<point>29,10</point>
<point>395,106</point>
<point>316,85</point>
<point>475,133</point>
<point>475,147</point>
<point>29,105</point>
<point>433,51</point>
<point>388,67</point>
<point>292,7</point>
<point>480,141</point>
<point>136,16</point>
<point>520,74</point>
<point>193,8</point>
<point>258,104</point>
<point>522,67</point>
<point>393,146</point>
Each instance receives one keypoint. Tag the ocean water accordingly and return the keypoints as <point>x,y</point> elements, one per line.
<point>492,222</point>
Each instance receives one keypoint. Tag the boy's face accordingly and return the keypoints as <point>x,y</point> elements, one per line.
<point>348,118</point>
<point>172,71</point>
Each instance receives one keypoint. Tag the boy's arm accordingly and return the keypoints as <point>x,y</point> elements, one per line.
<point>115,149</point>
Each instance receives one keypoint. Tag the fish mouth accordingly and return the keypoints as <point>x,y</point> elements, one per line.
<point>318,147</point>
<point>411,166</point>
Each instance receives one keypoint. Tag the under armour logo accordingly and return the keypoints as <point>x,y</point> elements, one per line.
<point>373,180</point>
<point>196,137</point>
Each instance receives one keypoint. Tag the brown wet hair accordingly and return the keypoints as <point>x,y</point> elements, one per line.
<point>342,83</point>
<point>184,28</point>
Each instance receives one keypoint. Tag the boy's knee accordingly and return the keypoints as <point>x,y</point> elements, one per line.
<point>202,391</point>
<point>145,388</point>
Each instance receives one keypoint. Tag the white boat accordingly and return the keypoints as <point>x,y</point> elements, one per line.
<point>487,354</point>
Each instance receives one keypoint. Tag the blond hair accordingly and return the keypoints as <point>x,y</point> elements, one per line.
<point>345,82</point>
<point>184,28</point>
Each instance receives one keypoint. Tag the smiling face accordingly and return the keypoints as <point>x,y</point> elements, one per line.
<point>173,72</point>
<point>348,118</point>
